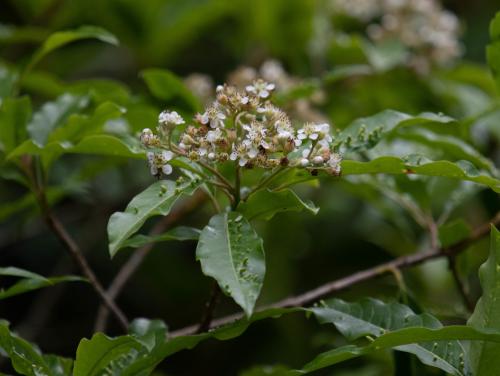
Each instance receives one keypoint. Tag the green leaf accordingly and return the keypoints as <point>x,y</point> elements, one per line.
<point>14,115</point>
<point>100,144</point>
<point>174,345</point>
<point>365,133</point>
<point>62,38</point>
<point>31,281</point>
<point>483,355</point>
<point>415,164</point>
<point>8,79</point>
<point>231,252</point>
<point>102,353</point>
<point>166,86</point>
<point>493,49</point>
<point>27,359</point>
<point>398,339</point>
<point>371,317</point>
<point>150,333</point>
<point>53,115</point>
<point>79,126</point>
<point>453,232</point>
<point>157,199</point>
<point>264,204</point>
<point>180,233</point>
<point>450,145</point>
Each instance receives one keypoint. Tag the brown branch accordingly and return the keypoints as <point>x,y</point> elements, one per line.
<point>67,240</point>
<point>361,276</point>
<point>459,283</point>
<point>209,309</point>
<point>133,263</point>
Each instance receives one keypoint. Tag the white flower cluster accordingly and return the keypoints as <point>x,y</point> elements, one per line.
<point>428,30</point>
<point>244,127</point>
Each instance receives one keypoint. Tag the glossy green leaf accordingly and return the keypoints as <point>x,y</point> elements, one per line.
<point>14,116</point>
<point>419,165</point>
<point>30,281</point>
<point>62,38</point>
<point>230,251</point>
<point>483,355</point>
<point>174,345</point>
<point>364,133</point>
<point>166,86</point>
<point>402,338</point>
<point>371,317</point>
<point>180,233</point>
<point>102,353</point>
<point>493,49</point>
<point>264,204</point>
<point>449,145</point>
<point>27,359</point>
<point>52,115</point>
<point>156,200</point>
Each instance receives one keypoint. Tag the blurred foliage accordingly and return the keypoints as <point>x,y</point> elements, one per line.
<point>77,111</point>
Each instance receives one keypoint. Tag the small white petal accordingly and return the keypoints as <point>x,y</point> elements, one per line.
<point>167,169</point>
<point>304,162</point>
<point>167,155</point>
<point>313,136</point>
<point>252,153</point>
<point>318,159</point>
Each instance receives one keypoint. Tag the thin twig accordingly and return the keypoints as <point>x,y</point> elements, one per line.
<point>69,243</point>
<point>133,263</point>
<point>210,308</point>
<point>459,283</point>
<point>402,262</point>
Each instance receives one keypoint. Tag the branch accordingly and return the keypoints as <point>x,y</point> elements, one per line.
<point>209,309</point>
<point>58,229</point>
<point>69,243</point>
<point>361,276</point>
<point>133,263</point>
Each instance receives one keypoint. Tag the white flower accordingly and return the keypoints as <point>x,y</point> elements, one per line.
<point>304,162</point>
<point>214,117</point>
<point>170,118</point>
<point>159,162</point>
<point>148,138</point>
<point>260,88</point>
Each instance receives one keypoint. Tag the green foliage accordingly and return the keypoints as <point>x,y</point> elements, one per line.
<point>30,281</point>
<point>389,183</point>
<point>374,318</point>
<point>493,49</point>
<point>484,355</point>
<point>230,251</point>
<point>265,204</point>
<point>62,38</point>
<point>27,359</point>
<point>158,199</point>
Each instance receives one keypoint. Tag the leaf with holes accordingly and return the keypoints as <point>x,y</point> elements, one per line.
<point>230,251</point>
